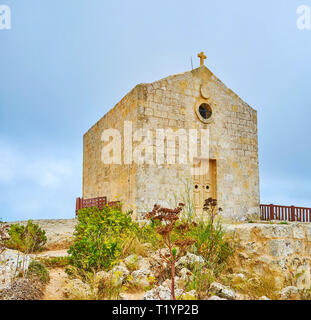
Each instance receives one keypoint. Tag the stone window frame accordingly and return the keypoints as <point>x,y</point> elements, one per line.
<point>197,112</point>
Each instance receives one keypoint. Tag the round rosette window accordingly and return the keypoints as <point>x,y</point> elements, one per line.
<point>204,112</point>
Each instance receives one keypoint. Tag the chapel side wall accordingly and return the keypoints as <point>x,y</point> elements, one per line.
<point>233,133</point>
<point>115,181</point>
<point>237,154</point>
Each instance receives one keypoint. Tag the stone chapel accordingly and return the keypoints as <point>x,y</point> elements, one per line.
<point>185,102</point>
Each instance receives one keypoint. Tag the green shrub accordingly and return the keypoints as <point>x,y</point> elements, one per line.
<point>216,255</point>
<point>27,239</point>
<point>99,235</point>
<point>200,281</point>
<point>37,270</point>
<point>148,233</point>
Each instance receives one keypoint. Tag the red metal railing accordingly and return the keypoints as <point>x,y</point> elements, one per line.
<point>285,213</point>
<point>100,203</point>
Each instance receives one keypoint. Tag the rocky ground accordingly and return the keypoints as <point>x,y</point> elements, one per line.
<point>263,249</point>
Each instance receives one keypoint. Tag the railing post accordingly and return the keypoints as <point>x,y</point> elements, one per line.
<point>271,217</point>
<point>292,214</point>
<point>78,205</point>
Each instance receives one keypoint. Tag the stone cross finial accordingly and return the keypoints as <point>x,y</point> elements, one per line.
<point>202,57</point>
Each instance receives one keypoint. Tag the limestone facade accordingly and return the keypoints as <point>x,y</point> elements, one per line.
<point>173,103</point>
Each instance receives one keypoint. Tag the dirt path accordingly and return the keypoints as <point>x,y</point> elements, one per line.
<point>53,289</point>
<point>52,253</point>
<point>58,276</point>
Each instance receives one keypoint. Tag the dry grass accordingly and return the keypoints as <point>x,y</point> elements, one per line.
<point>254,285</point>
<point>133,245</point>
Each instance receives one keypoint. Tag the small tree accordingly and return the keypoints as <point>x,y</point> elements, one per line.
<point>168,219</point>
<point>27,239</point>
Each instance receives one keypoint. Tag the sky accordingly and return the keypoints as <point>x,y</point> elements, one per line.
<point>64,64</point>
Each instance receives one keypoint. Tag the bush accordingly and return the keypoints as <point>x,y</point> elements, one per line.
<point>27,239</point>
<point>37,271</point>
<point>215,254</point>
<point>99,235</point>
<point>148,233</point>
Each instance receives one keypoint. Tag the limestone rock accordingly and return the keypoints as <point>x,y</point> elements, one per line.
<point>281,248</point>
<point>102,277</point>
<point>119,274</point>
<point>168,283</point>
<point>156,259</point>
<point>186,275</point>
<point>123,296</point>
<point>142,277</point>
<point>161,293</point>
<point>12,262</point>
<point>76,289</point>
<point>144,263</point>
<point>137,262</point>
<point>158,293</point>
<point>222,291</point>
<point>190,260</point>
<point>290,293</point>
<point>22,289</point>
<point>131,260</point>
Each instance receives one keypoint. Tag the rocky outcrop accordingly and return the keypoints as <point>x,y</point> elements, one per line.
<point>163,292</point>
<point>190,260</point>
<point>119,274</point>
<point>76,289</point>
<point>290,293</point>
<point>137,262</point>
<point>283,250</point>
<point>222,291</point>
<point>142,278</point>
<point>12,262</point>
<point>23,289</point>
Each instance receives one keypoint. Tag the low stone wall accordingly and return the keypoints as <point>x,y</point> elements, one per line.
<point>283,249</point>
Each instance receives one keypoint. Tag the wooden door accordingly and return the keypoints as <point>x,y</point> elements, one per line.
<point>204,183</point>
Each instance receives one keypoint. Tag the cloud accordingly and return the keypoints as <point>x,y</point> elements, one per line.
<point>45,172</point>
<point>49,173</point>
<point>34,186</point>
